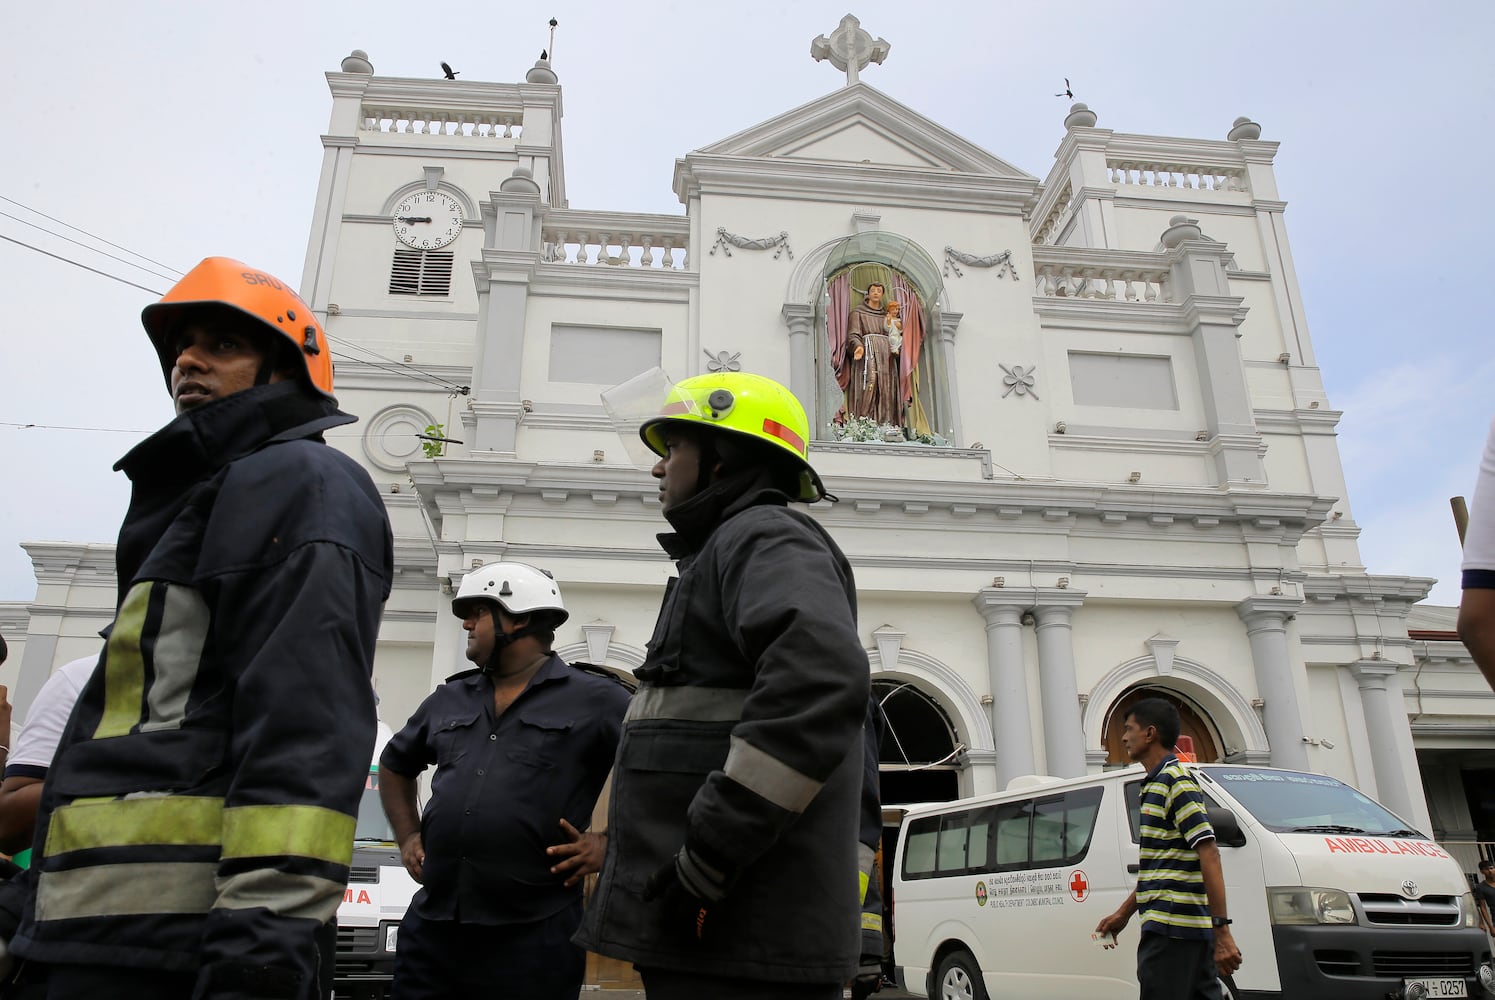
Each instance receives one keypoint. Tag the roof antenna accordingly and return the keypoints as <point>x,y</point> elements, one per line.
<point>553,23</point>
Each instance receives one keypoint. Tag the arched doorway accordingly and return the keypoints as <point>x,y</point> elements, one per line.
<point>1194,723</point>
<point>919,754</point>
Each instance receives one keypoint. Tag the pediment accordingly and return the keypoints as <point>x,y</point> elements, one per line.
<point>860,124</point>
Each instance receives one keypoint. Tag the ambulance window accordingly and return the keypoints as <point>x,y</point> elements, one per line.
<point>978,849</point>
<point>954,829</point>
<point>1132,791</point>
<point>918,849</point>
<point>1062,827</point>
<point>1012,822</point>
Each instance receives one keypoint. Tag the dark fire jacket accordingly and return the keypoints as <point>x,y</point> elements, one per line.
<point>744,742</point>
<point>199,813</point>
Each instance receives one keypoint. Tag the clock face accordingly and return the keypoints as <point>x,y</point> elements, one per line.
<point>427,220</point>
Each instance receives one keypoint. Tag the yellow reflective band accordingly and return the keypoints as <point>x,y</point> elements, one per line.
<point>290,830</point>
<point>865,880</point>
<point>124,668</point>
<point>872,922</point>
<point>179,820</point>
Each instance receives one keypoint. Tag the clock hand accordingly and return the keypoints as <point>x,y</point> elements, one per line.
<point>413,218</point>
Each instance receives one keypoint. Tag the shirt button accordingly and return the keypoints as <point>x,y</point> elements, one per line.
<point>493,736</point>
<point>467,812</point>
<point>480,772</point>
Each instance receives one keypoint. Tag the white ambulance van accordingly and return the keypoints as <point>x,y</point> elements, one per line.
<point>1332,896</point>
<point>379,891</point>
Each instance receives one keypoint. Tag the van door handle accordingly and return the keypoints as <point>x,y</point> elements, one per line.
<point>1133,869</point>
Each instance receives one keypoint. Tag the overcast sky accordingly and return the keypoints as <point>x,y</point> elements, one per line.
<point>184,129</point>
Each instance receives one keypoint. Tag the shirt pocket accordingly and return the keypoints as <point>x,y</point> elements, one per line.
<point>452,735</point>
<point>541,738</point>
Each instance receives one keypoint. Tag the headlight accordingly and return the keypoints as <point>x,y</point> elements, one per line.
<point>1467,905</point>
<point>391,936</point>
<point>1310,906</point>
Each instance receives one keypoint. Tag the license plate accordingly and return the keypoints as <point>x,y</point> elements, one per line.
<point>1440,987</point>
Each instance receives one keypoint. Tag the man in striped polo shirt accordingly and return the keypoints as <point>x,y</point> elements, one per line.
<point>1186,940</point>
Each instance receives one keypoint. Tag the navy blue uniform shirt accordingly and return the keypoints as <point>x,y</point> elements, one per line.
<point>502,786</point>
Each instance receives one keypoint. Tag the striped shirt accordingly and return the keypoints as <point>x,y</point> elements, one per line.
<point>1170,883</point>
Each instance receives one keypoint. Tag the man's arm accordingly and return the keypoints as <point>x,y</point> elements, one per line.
<point>397,796</point>
<point>298,637</point>
<point>784,601</point>
<point>1116,922</point>
<point>1477,629</point>
<point>19,798</point>
<point>1227,955</point>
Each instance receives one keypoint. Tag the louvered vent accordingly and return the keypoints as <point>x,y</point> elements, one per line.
<point>421,272</point>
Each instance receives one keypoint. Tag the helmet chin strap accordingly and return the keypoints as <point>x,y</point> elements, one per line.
<point>502,639</point>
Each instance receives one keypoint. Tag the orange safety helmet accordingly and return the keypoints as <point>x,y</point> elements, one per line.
<point>227,283</point>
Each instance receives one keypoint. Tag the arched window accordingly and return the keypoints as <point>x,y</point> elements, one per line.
<point>919,757</point>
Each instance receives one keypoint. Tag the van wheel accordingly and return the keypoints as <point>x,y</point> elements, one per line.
<point>959,978</point>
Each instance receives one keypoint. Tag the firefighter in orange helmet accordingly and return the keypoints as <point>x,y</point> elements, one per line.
<point>196,827</point>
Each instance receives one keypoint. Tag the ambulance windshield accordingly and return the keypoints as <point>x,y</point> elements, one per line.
<point>372,827</point>
<point>1295,802</point>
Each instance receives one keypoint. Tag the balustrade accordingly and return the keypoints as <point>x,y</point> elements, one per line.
<point>1048,230</point>
<point>1123,284</point>
<point>665,251</point>
<point>1176,175</point>
<point>416,121</point>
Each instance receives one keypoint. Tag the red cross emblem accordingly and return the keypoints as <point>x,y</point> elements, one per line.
<point>1079,886</point>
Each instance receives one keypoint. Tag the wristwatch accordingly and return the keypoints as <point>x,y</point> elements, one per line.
<point>1219,921</point>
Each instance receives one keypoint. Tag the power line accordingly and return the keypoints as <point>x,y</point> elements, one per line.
<point>461,389</point>
<point>69,260</point>
<point>91,236</point>
<point>415,374</point>
<point>85,246</point>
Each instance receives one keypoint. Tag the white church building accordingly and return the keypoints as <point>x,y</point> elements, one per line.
<point>1112,471</point>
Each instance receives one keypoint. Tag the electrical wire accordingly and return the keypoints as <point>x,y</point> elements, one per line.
<point>85,246</point>
<point>348,344</point>
<point>69,260</point>
<point>415,374</point>
<point>91,236</point>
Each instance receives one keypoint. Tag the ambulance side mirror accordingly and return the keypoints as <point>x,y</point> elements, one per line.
<point>1227,830</point>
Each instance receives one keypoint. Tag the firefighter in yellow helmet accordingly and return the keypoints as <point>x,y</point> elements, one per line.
<point>196,827</point>
<point>731,867</point>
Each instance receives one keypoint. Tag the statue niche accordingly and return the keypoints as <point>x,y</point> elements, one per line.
<point>875,341</point>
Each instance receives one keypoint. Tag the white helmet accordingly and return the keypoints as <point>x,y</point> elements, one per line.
<point>518,588</point>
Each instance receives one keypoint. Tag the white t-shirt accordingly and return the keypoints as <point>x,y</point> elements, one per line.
<point>1479,540</point>
<point>33,749</point>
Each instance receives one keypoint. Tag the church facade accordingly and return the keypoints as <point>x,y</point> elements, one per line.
<point>1081,445</point>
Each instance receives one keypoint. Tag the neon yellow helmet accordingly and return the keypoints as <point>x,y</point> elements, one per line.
<point>740,403</point>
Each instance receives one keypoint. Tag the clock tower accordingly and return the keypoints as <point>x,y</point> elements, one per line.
<point>416,174</point>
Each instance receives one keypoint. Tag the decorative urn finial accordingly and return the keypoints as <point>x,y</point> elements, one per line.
<point>357,61</point>
<point>1243,128</point>
<point>1080,116</point>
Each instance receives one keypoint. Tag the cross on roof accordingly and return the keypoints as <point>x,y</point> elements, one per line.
<point>849,48</point>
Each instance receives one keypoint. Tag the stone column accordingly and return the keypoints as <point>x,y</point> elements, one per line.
<point>947,408</point>
<point>1063,734</point>
<point>800,319</point>
<point>1011,725</point>
<point>1385,712</point>
<point>1266,628</point>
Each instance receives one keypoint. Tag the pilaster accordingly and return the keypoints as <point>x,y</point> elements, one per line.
<point>1011,725</point>
<point>1063,732</point>
<point>1266,620</point>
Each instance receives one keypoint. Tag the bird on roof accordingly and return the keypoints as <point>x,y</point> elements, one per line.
<point>1066,92</point>
<point>451,74</point>
<point>544,55</point>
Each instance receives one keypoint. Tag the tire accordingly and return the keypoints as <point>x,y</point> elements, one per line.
<point>958,978</point>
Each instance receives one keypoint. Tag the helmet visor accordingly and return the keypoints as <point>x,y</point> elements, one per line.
<point>629,404</point>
